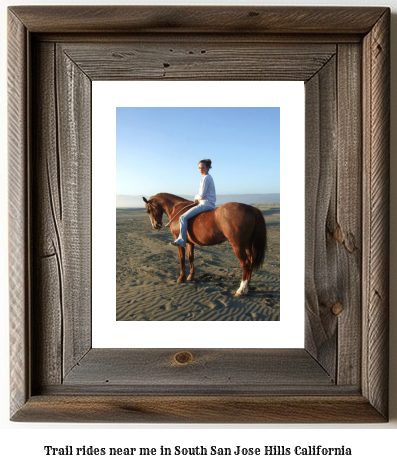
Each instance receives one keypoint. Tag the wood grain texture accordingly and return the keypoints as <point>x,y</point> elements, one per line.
<point>198,409</point>
<point>62,205</point>
<point>74,124</point>
<point>18,213</point>
<point>321,262</point>
<point>244,37</point>
<point>48,297</point>
<point>341,375</point>
<point>202,60</point>
<point>333,215</point>
<point>197,19</point>
<point>347,226</point>
<point>376,91</point>
<point>157,370</point>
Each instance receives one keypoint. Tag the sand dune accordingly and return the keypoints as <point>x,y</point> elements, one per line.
<point>148,267</point>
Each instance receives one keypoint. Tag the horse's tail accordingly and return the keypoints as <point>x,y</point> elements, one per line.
<point>258,242</point>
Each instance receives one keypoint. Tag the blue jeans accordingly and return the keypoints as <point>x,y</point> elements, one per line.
<point>181,240</point>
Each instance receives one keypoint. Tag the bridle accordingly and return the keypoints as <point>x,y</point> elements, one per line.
<point>158,226</point>
<point>169,222</point>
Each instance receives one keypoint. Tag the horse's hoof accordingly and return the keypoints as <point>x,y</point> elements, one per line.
<point>243,289</point>
<point>190,278</point>
<point>181,280</point>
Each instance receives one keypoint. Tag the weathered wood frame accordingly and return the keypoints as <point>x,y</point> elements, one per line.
<point>342,54</point>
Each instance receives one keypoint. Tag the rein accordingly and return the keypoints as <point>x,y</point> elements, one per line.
<point>188,206</point>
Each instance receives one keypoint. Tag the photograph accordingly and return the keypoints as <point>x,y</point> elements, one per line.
<point>203,121</point>
<point>198,213</point>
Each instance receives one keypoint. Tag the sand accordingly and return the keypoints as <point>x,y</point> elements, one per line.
<point>148,267</point>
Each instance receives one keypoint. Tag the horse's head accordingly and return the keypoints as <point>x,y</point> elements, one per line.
<point>155,212</point>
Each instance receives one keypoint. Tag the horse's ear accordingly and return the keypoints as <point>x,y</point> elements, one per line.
<point>144,199</point>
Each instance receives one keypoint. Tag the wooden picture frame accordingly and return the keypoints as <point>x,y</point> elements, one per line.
<point>342,54</point>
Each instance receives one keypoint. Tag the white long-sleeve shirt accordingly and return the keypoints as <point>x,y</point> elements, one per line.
<point>206,195</point>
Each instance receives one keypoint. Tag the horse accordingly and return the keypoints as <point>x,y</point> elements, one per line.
<point>243,225</point>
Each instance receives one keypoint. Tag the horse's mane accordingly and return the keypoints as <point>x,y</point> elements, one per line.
<point>174,198</point>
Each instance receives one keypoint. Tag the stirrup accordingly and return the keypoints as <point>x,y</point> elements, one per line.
<point>175,244</point>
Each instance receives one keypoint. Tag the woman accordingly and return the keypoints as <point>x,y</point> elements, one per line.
<point>205,201</point>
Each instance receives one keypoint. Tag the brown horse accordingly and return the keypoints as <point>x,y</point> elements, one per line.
<point>243,225</point>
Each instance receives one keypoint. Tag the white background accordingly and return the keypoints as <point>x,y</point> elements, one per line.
<point>289,331</point>
<point>22,444</point>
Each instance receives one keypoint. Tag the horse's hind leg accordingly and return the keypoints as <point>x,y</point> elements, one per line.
<point>245,263</point>
<point>250,258</point>
<point>182,276</point>
<point>190,254</point>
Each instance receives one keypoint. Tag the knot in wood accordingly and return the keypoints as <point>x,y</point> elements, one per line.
<point>337,308</point>
<point>338,235</point>
<point>183,358</point>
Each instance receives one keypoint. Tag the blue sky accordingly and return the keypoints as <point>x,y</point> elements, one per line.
<point>158,150</point>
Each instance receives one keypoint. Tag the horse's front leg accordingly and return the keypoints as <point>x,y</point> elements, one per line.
<point>182,277</point>
<point>190,254</point>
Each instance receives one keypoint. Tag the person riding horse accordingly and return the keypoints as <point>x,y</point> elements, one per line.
<point>205,201</point>
<point>242,225</point>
